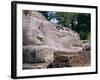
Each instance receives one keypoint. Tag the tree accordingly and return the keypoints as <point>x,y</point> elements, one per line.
<point>84,26</point>
<point>66,19</point>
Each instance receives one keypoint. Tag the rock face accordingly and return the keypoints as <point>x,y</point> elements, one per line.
<point>41,39</point>
<point>37,54</point>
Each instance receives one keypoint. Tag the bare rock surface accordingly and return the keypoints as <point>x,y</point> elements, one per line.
<point>35,66</point>
<point>41,39</point>
<point>36,54</point>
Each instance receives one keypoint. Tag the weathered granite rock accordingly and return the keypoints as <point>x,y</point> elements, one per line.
<point>41,39</point>
<point>37,54</point>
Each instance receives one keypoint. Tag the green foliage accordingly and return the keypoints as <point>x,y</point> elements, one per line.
<point>83,27</point>
<point>89,36</point>
<point>66,19</point>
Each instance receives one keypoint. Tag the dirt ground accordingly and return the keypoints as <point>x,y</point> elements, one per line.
<point>81,59</point>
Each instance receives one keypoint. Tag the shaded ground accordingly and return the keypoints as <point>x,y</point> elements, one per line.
<point>81,59</point>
